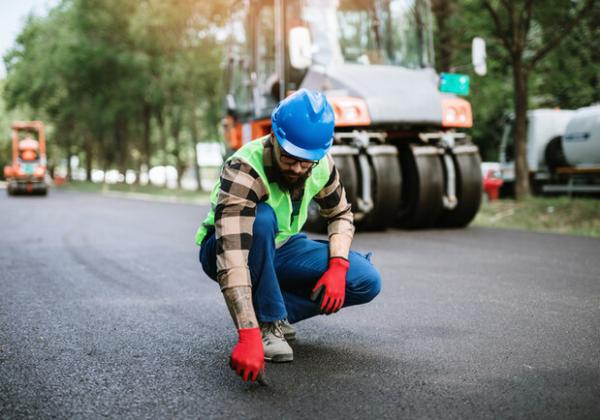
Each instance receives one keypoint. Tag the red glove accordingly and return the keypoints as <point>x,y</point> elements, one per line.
<point>248,355</point>
<point>334,282</point>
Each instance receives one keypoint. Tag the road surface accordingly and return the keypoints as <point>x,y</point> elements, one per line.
<point>105,312</point>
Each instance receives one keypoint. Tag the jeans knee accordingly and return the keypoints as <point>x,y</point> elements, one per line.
<point>370,286</point>
<point>265,224</point>
<point>374,285</point>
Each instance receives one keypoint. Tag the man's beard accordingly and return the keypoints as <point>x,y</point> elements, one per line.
<point>286,183</point>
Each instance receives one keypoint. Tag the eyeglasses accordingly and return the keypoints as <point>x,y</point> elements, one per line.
<point>289,160</point>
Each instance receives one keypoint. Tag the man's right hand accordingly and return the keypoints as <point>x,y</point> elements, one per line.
<point>248,355</point>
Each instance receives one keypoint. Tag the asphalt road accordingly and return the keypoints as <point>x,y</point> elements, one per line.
<point>105,312</point>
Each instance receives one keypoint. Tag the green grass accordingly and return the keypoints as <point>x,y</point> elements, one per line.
<point>136,189</point>
<point>575,216</point>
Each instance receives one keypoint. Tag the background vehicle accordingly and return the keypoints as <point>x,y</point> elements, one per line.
<point>396,146</point>
<point>563,151</point>
<point>28,170</point>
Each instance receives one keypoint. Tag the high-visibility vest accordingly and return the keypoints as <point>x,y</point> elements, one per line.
<point>279,199</point>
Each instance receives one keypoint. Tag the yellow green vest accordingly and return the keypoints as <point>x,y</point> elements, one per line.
<point>278,199</point>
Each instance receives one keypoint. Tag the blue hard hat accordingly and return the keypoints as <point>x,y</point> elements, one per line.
<point>303,125</point>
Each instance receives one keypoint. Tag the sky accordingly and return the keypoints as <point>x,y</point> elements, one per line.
<point>12,18</point>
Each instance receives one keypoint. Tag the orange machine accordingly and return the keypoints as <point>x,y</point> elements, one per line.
<point>399,143</point>
<point>28,170</point>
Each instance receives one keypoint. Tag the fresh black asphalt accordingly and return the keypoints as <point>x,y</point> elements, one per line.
<point>105,313</point>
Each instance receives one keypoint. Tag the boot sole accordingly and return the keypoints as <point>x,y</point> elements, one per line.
<point>280,358</point>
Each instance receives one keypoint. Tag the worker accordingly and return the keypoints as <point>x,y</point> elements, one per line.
<point>271,274</point>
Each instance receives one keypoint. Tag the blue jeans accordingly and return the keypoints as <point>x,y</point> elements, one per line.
<point>282,279</point>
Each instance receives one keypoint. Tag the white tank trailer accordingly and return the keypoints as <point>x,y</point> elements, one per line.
<point>581,141</point>
<point>563,151</point>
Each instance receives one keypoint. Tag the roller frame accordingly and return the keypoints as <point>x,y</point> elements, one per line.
<point>465,161</point>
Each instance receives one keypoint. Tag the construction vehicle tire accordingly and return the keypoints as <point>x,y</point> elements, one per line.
<point>554,155</point>
<point>422,187</point>
<point>346,166</point>
<point>386,187</point>
<point>469,190</point>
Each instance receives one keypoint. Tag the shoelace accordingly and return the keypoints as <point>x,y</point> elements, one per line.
<point>274,327</point>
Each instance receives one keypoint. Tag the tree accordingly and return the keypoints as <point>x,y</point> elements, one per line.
<point>6,119</point>
<point>183,61</point>
<point>445,17</point>
<point>513,22</point>
<point>114,76</point>
<point>570,76</point>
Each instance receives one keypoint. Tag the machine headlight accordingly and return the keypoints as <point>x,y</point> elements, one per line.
<point>349,111</point>
<point>450,116</point>
<point>456,112</point>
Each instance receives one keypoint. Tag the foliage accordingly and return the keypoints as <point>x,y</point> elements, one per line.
<point>567,78</point>
<point>6,118</point>
<point>124,82</point>
<point>570,76</point>
<point>458,22</point>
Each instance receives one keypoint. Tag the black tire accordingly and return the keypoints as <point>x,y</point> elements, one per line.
<point>469,190</point>
<point>346,167</point>
<point>423,183</point>
<point>386,187</point>
<point>554,156</point>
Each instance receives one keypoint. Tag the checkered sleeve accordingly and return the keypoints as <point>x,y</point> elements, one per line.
<point>334,205</point>
<point>241,190</point>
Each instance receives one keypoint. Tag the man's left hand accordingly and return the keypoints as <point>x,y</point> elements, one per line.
<point>334,283</point>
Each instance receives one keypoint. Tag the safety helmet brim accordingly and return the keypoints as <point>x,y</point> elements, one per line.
<point>300,153</point>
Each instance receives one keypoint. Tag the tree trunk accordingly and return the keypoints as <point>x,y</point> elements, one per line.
<point>147,114</point>
<point>163,141</point>
<point>120,134</point>
<point>520,77</point>
<point>69,151</point>
<point>194,131</point>
<point>443,11</point>
<point>89,155</point>
<point>178,162</point>
<point>176,119</point>
<point>106,154</point>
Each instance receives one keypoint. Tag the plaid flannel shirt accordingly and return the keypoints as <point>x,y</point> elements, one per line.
<point>241,190</point>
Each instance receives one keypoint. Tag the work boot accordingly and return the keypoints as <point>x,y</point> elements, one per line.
<point>276,348</point>
<point>289,332</point>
